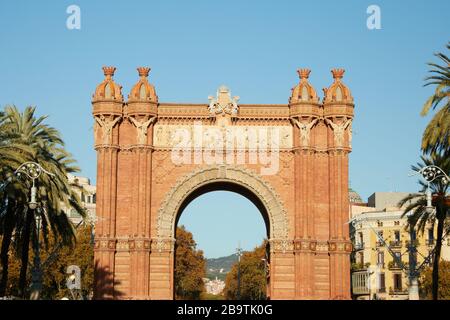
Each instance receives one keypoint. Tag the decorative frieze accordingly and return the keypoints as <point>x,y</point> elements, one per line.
<point>340,246</point>
<point>163,245</point>
<point>281,245</point>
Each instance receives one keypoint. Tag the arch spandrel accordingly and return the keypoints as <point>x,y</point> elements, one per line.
<point>170,207</point>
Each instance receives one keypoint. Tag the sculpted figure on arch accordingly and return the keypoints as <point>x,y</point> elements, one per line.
<point>107,125</point>
<point>339,130</point>
<point>305,130</point>
<point>142,127</point>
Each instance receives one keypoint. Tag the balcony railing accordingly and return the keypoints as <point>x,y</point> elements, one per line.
<point>416,243</point>
<point>398,291</point>
<point>357,266</point>
<point>359,246</point>
<point>360,282</point>
<point>380,244</point>
<point>394,265</point>
<point>395,244</point>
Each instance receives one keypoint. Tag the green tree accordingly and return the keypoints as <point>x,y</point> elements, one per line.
<point>56,259</point>
<point>189,267</point>
<point>253,276</point>
<point>426,282</point>
<point>416,204</point>
<point>436,137</point>
<point>44,146</point>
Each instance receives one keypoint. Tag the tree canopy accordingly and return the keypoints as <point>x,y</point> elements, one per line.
<point>253,276</point>
<point>190,267</point>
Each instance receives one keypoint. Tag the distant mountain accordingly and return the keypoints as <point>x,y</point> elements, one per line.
<point>219,267</point>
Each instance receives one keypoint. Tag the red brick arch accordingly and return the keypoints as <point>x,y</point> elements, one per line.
<point>141,190</point>
<point>170,208</point>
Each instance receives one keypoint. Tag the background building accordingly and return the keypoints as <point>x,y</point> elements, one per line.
<point>87,193</point>
<point>215,286</point>
<point>375,275</point>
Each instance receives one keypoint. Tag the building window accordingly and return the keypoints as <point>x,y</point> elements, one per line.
<point>396,223</point>
<point>397,281</point>
<point>361,258</point>
<point>397,235</point>
<point>83,198</point>
<point>382,284</point>
<point>380,258</point>
<point>380,223</point>
<point>398,259</point>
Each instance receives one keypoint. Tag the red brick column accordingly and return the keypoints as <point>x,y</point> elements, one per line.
<point>105,241</point>
<point>141,224</point>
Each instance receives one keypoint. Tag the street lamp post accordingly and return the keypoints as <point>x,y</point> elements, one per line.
<point>413,289</point>
<point>36,272</point>
<point>239,254</point>
<point>429,173</point>
<point>33,171</point>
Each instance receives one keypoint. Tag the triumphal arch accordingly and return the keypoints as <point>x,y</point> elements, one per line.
<point>290,159</point>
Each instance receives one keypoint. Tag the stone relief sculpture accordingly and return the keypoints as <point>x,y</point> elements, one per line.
<point>339,130</point>
<point>142,127</point>
<point>350,134</point>
<point>107,125</point>
<point>159,133</point>
<point>305,130</point>
<point>223,103</point>
<point>263,136</point>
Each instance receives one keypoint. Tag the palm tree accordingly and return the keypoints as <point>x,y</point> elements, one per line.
<point>436,137</point>
<point>420,217</point>
<point>47,149</point>
<point>11,192</point>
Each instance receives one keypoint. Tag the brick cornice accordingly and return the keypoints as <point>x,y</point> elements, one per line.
<point>340,246</point>
<point>100,147</point>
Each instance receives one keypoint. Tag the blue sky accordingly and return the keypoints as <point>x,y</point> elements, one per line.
<point>254,47</point>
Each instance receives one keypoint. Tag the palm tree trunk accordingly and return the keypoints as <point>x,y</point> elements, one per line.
<point>437,258</point>
<point>25,254</point>
<point>6,242</point>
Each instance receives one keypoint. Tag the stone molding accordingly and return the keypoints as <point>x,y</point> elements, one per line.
<point>105,244</point>
<point>244,177</point>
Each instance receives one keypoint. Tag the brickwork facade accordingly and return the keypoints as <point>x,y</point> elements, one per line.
<point>141,190</point>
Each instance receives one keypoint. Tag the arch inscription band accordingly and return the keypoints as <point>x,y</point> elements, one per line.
<point>290,159</point>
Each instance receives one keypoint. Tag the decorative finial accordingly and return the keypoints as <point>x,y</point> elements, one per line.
<point>109,71</point>
<point>304,73</point>
<point>338,73</point>
<point>143,71</point>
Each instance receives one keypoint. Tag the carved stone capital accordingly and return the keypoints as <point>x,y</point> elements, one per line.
<point>163,244</point>
<point>340,246</point>
<point>105,244</point>
<point>281,245</point>
<point>305,245</point>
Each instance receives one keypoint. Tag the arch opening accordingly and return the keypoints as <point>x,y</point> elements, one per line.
<point>240,222</point>
<point>230,187</point>
<point>236,179</point>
